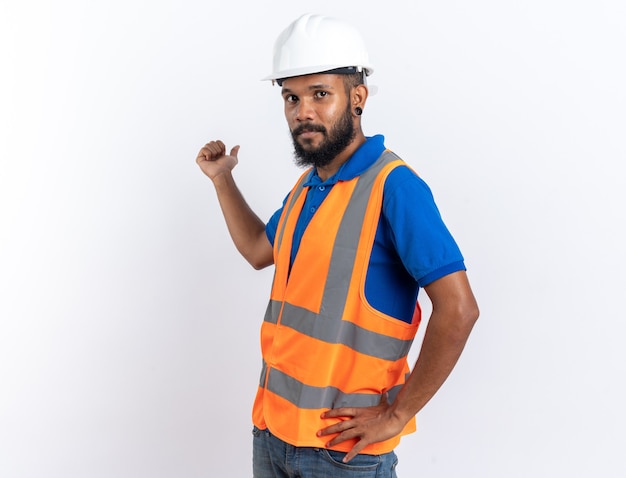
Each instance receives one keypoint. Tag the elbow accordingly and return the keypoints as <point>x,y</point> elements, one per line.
<point>467,316</point>
<point>258,259</point>
<point>258,253</point>
<point>458,323</point>
<point>258,265</point>
<point>471,314</point>
<point>259,262</point>
<point>455,310</point>
<point>465,324</point>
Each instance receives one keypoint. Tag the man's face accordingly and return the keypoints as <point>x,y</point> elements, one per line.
<point>319,116</point>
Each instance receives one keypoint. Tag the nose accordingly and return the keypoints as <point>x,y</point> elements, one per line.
<point>304,110</point>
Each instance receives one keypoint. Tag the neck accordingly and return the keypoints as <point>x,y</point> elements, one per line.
<point>325,172</point>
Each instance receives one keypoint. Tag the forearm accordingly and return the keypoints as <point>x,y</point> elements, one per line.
<point>246,229</point>
<point>441,349</point>
<point>454,313</point>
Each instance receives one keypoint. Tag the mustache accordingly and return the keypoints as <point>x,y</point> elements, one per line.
<point>306,128</point>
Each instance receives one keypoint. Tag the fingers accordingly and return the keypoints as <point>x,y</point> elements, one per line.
<point>339,412</point>
<point>367,425</point>
<point>340,426</point>
<point>349,434</point>
<point>212,151</point>
<point>356,449</point>
<point>362,436</point>
<point>344,431</point>
<point>351,411</point>
<point>336,428</point>
<point>345,436</point>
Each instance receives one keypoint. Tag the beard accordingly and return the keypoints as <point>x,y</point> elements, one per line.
<point>334,142</point>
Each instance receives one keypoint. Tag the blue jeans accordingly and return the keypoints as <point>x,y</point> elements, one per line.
<point>273,458</point>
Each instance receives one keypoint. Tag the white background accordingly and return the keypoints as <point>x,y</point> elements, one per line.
<point>129,323</point>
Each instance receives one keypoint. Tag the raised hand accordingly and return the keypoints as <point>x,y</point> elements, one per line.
<point>214,161</point>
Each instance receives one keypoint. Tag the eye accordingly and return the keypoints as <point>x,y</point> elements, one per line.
<point>291,98</point>
<point>321,94</point>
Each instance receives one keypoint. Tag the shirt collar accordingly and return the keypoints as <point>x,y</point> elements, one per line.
<point>363,158</point>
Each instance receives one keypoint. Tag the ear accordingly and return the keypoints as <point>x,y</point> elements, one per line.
<point>358,96</point>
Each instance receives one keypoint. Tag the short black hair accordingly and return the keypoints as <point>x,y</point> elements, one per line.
<point>352,77</point>
<point>353,80</point>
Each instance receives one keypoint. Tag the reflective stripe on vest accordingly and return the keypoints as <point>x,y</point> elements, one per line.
<point>323,345</point>
<point>306,396</point>
<point>350,334</point>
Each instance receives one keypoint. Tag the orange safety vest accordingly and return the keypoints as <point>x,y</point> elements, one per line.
<point>324,346</point>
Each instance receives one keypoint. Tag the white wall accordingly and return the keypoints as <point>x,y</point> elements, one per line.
<point>129,324</point>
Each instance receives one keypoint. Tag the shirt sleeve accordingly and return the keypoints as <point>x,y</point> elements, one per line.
<point>423,242</point>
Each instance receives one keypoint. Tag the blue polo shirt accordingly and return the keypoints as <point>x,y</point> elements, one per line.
<point>412,246</point>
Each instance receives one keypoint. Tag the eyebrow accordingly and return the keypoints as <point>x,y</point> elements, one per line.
<point>318,86</point>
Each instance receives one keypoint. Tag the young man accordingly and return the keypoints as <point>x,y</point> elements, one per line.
<point>356,238</point>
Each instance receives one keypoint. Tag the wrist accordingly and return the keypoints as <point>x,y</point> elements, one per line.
<point>223,178</point>
<point>401,413</point>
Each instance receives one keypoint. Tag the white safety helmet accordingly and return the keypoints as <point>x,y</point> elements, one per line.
<point>317,44</point>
